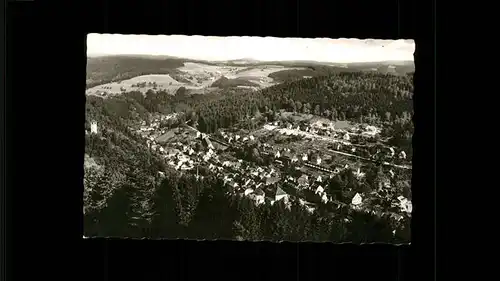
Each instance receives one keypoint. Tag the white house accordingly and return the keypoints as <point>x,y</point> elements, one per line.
<point>277,155</point>
<point>295,159</point>
<point>391,173</point>
<point>318,161</point>
<point>319,190</point>
<point>402,155</point>
<point>259,199</point>
<point>304,157</point>
<point>324,198</point>
<point>347,137</point>
<point>248,191</point>
<point>359,174</point>
<point>319,179</point>
<point>392,152</point>
<point>280,194</point>
<point>357,199</point>
<point>309,209</point>
<point>252,137</point>
<point>93,127</point>
<point>405,204</point>
<point>247,182</point>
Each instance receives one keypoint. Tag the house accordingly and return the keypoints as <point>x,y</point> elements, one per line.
<point>259,196</point>
<point>304,157</point>
<point>93,127</point>
<point>357,200</point>
<point>346,137</point>
<point>208,143</point>
<point>248,191</point>
<point>319,190</point>
<point>303,180</point>
<point>295,159</point>
<point>391,173</point>
<point>353,149</point>
<point>237,137</point>
<point>280,194</point>
<point>245,139</point>
<point>405,204</point>
<point>277,155</point>
<point>247,182</point>
<point>359,174</point>
<point>391,152</point>
<point>271,180</point>
<point>318,160</point>
<point>319,179</point>
<point>310,209</point>
<point>324,198</point>
<point>402,155</point>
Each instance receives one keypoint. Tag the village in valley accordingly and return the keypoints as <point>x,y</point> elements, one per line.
<point>298,151</point>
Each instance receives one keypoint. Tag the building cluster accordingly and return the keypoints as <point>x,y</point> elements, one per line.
<point>249,179</point>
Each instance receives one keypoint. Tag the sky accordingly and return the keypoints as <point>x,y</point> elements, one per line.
<point>257,48</point>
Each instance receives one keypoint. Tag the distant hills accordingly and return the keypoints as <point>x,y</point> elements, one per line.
<point>106,69</point>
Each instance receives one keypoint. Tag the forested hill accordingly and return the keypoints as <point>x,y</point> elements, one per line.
<point>127,196</point>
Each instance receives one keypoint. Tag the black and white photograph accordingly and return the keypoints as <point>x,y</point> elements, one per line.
<point>248,138</point>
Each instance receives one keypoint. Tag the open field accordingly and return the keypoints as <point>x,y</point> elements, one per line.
<point>172,75</point>
<point>115,74</point>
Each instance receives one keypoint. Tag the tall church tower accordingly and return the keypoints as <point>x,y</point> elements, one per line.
<point>93,127</point>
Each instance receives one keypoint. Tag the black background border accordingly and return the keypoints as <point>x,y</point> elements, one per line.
<point>44,143</point>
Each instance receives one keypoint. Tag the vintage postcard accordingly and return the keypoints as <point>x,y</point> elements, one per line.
<point>248,138</point>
